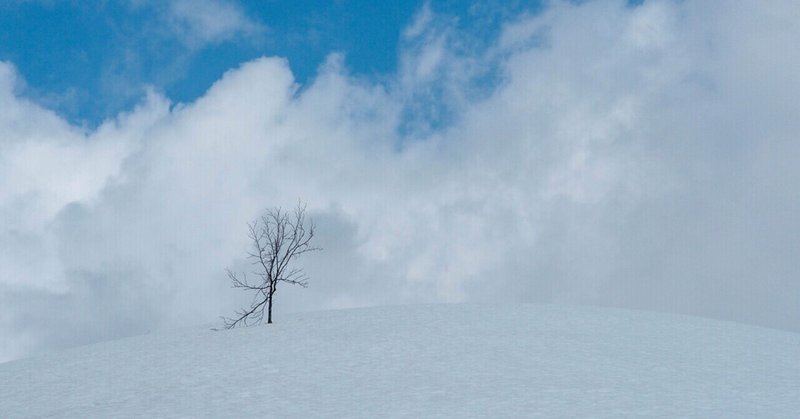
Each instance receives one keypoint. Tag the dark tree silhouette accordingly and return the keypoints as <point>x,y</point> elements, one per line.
<point>277,238</point>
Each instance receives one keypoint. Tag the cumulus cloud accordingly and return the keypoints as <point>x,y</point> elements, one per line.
<point>630,156</point>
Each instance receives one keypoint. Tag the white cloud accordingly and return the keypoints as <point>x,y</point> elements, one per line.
<point>628,156</point>
<point>201,22</point>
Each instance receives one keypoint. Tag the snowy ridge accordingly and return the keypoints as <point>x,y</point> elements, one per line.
<point>424,361</point>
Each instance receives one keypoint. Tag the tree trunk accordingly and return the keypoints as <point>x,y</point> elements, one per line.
<point>269,303</point>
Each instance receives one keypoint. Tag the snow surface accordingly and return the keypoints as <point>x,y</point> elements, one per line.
<point>424,361</point>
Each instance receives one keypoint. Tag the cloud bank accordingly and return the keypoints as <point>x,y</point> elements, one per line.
<point>640,157</point>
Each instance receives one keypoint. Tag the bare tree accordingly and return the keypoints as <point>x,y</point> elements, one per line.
<point>277,238</point>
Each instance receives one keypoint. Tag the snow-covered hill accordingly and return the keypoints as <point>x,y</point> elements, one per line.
<point>424,361</point>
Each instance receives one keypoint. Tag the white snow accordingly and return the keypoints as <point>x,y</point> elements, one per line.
<point>424,361</point>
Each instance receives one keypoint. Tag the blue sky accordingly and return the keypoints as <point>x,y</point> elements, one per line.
<point>603,152</point>
<point>91,60</point>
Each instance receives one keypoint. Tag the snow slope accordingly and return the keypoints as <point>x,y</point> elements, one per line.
<point>424,361</point>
